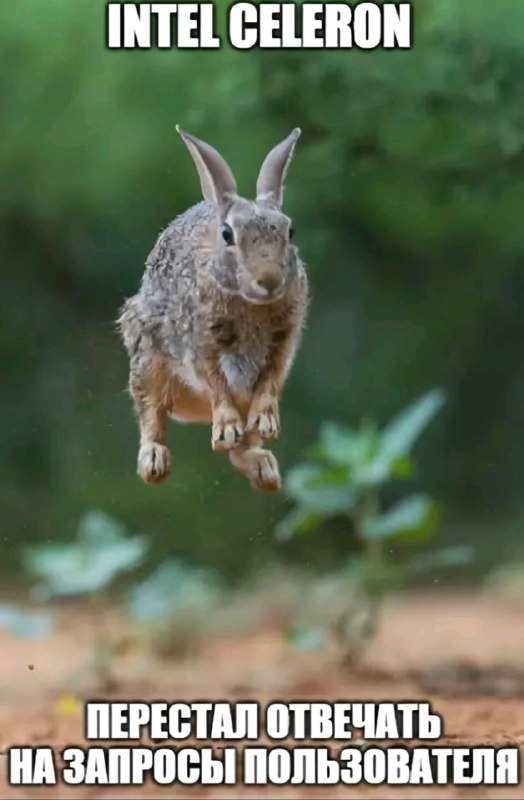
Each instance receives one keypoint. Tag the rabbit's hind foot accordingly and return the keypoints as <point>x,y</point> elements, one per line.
<point>154,462</point>
<point>259,466</point>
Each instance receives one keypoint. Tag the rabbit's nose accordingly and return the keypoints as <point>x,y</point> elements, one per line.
<point>269,281</point>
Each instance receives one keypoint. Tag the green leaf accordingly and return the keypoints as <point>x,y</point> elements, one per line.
<point>298,522</point>
<point>382,469</point>
<point>375,474</point>
<point>402,467</point>
<point>414,516</point>
<point>321,489</point>
<point>100,552</point>
<point>26,624</point>
<point>446,558</point>
<point>98,528</point>
<point>174,588</point>
<point>399,436</point>
<point>345,446</point>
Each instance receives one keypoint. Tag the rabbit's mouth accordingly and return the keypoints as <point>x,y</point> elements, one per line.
<point>261,296</point>
<point>266,286</point>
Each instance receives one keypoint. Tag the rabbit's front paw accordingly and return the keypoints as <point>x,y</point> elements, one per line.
<point>227,427</point>
<point>154,462</point>
<point>264,416</point>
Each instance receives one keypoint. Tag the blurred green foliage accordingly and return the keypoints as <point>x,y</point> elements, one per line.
<point>407,194</point>
<point>166,611</point>
<point>25,623</point>
<point>174,588</point>
<point>88,565</point>
<point>345,476</point>
<point>346,472</point>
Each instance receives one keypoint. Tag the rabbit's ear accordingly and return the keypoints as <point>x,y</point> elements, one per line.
<point>270,183</point>
<point>216,179</point>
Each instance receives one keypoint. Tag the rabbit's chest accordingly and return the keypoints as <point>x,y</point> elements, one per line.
<point>243,354</point>
<point>241,370</point>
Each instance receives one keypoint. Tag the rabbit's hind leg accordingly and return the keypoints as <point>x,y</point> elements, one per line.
<point>259,466</point>
<point>151,407</point>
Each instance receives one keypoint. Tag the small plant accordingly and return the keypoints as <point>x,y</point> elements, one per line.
<point>87,567</point>
<point>344,476</point>
<point>176,603</point>
<point>169,608</point>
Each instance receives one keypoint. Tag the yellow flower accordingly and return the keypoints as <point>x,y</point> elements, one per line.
<point>67,706</point>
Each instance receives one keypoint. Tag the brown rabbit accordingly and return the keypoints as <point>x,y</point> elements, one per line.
<point>212,333</point>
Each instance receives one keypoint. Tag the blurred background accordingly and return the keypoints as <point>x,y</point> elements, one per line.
<point>407,195</point>
<point>392,563</point>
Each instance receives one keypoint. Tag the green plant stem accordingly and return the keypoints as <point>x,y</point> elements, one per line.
<point>369,508</point>
<point>368,598</point>
<point>102,658</point>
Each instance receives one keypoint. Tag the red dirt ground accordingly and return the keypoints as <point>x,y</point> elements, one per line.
<point>416,632</point>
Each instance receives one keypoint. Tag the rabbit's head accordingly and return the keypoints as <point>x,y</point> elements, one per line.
<point>253,255</point>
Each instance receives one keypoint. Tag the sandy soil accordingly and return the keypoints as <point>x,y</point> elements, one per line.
<point>41,703</point>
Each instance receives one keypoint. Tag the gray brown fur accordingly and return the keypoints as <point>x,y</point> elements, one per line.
<point>213,330</point>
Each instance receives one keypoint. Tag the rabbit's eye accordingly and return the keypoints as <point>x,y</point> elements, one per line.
<point>227,233</point>
<point>291,232</point>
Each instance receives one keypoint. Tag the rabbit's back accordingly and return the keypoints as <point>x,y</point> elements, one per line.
<point>161,316</point>
<point>180,247</point>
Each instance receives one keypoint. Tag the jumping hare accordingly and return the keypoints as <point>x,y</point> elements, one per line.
<point>213,331</point>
